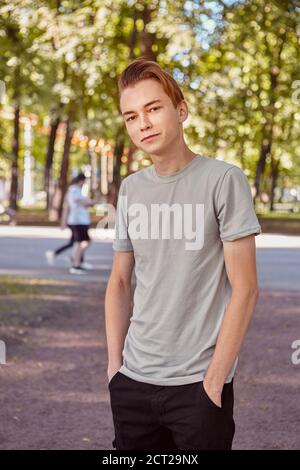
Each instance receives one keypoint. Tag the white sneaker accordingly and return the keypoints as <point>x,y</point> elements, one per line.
<point>77,271</point>
<point>85,265</point>
<point>50,257</point>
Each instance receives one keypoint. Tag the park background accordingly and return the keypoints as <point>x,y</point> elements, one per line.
<point>237,63</point>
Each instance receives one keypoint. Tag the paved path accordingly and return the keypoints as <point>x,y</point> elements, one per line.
<point>53,389</point>
<point>23,248</point>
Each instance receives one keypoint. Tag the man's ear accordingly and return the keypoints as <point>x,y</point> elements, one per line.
<point>183,111</point>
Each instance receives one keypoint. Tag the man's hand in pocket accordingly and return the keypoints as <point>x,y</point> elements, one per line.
<point>111,371</point>
<point>215,394</point>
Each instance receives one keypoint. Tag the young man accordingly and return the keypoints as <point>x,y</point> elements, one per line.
<point>187,223</point>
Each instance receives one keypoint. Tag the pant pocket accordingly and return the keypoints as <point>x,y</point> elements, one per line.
<point>209,400</point>
<point>113,379</point>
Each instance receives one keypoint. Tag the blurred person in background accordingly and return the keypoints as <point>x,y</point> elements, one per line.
<point>76,216</point>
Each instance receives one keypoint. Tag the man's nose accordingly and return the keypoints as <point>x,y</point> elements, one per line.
<point>144,122</point>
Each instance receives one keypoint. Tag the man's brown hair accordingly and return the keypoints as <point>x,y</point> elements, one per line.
<point>141,69</point>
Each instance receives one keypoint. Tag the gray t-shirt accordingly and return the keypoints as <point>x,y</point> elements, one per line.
<point>175,224</point>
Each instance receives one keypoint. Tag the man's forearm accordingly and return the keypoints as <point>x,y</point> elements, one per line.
<point>118,310</point>
<point>232,332</point>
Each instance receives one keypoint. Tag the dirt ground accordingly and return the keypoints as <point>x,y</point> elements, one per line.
<point>53,388</point>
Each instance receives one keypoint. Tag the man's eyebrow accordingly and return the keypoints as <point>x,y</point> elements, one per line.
<point>145,105</point>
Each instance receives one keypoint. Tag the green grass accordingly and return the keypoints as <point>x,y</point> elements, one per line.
<point>32,209</point>
<point>280,215</point>
<point>30,216</point>
<point>14,285</point>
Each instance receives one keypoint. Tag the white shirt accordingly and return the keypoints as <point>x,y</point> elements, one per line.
<point>78,214</point>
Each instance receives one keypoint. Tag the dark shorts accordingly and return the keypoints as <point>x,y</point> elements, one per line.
<point>172,417</point>
<point>80,233</point>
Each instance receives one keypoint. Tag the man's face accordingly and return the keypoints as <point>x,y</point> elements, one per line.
<point>148,110</point>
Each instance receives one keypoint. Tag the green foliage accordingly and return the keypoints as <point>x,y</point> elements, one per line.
<point>237,63</point>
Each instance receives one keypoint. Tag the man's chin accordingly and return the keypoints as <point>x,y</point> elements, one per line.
<point>151,149</point>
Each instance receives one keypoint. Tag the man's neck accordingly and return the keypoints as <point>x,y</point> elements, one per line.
<point>172,162</point>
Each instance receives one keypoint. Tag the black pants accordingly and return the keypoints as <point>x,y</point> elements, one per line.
<point>182,417</point>
<point>68,245</point>
<point>65,247</point>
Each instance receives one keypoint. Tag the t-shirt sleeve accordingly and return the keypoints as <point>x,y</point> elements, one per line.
<point>121,241</point>
<point>235,208</point>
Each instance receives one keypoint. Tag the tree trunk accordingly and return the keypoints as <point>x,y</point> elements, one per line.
<point>264,152</point>
<point>15,164</point>
<point>49,160</point>
<point>274,178</point>
<point>58,200</point>
<point>114,187</point>
<point>275,67</point>
<point>93,158</point>
<point>147,39</point>
<point>131,151</point>
<point>63,181</point>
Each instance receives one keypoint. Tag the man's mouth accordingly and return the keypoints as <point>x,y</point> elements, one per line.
<point>149,137</point>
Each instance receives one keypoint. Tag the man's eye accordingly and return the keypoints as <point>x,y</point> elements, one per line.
<point>133,117</point>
